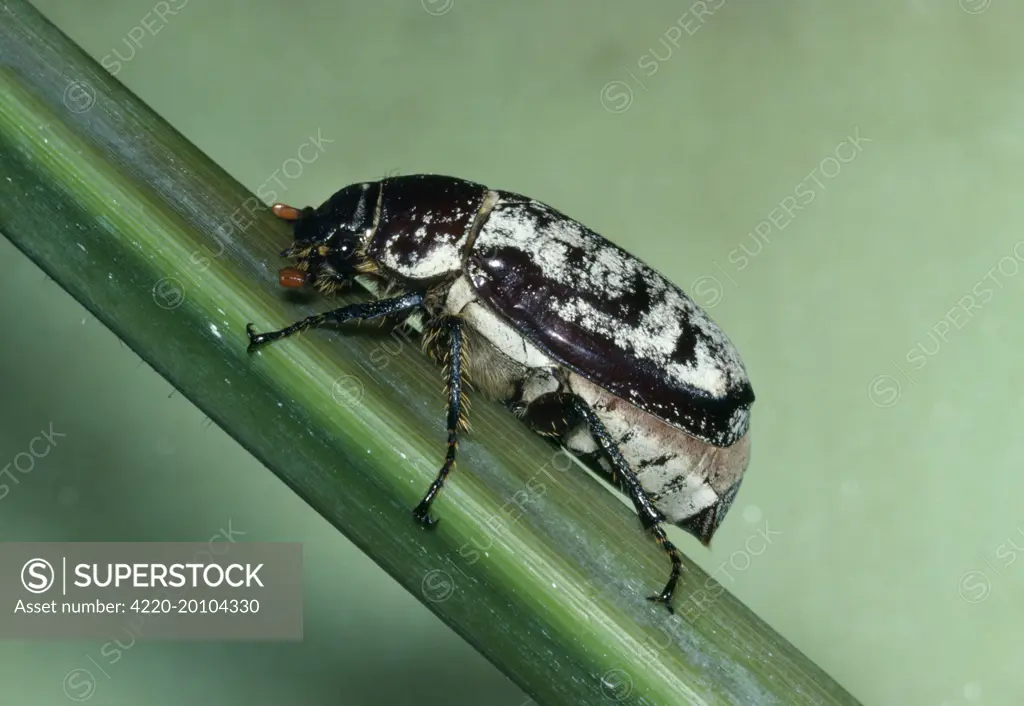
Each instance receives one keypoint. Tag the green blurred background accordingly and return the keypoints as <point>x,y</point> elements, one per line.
<point>880,323</point>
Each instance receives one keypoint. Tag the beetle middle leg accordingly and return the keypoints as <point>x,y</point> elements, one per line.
<point>362,310</point>
<point>447,333</point>
<point>553,414</point>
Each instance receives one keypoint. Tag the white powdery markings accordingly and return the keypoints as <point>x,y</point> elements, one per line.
<point>560,228</point>
<point>570,255</point>
<point>704,374</point>
<point>509,228</point>
<point>455,216</point>
<point>654,338</point>
<point>443,257</point>
<point>707,327</point>
<point>724,358</point>
<point>739,421</point>
<point>584,315</point>
<point>553,260</point>
<point>515,227</point>
<point>657,335</point>
<point>612,272</point>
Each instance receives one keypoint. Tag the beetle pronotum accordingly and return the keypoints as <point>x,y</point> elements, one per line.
<point>578,338</point>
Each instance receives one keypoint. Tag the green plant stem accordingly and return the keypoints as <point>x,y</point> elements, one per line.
<point>534,563</point>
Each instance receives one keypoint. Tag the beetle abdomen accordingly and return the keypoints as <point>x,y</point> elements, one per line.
<point>683,475</point>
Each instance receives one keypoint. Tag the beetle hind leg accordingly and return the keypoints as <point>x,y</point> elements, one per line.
<point>677,567</point>
<point>448,328</point>
<point>554,414</point>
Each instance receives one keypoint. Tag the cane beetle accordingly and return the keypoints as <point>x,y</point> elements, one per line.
<point>582,341</point>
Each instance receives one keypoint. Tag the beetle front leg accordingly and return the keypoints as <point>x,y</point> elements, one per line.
<point>451,328</point>
<point>553,414</point>
<point>362,310</point>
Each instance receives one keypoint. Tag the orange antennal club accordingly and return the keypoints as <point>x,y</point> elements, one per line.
<point>292,277</point>
<point>286,213</point>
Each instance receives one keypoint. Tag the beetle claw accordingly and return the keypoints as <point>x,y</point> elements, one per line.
<point>257,339</point>
<point>665,598</point>
<point>254,338</point>
<point>422,516</point>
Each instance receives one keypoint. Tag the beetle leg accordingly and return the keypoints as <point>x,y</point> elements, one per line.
<point>454,358</point>
<point>362,310</point>
<point>650,517</point>
<point>542,414</point>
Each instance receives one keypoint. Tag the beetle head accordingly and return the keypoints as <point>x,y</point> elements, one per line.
<point>329,239</point>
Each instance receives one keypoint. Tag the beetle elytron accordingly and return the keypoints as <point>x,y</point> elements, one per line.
<point>581,340</point>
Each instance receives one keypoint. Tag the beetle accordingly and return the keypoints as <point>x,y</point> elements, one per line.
<point>585,343</point>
